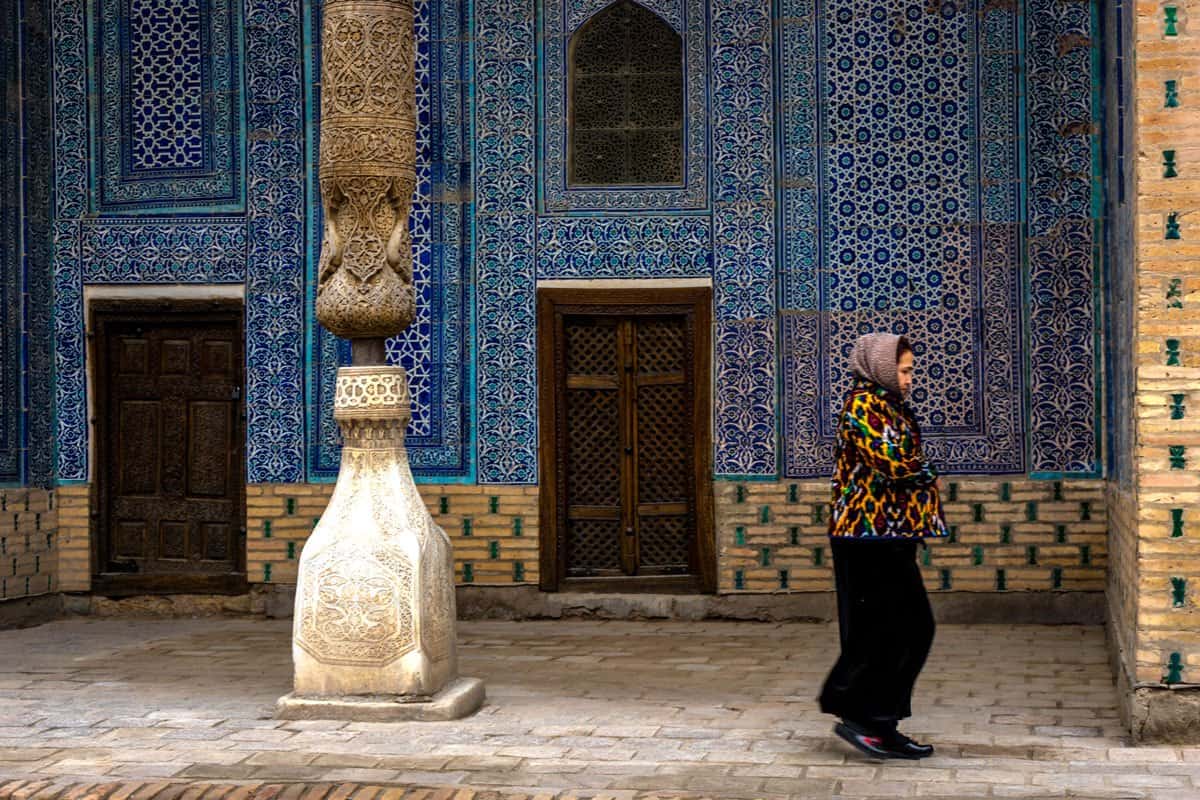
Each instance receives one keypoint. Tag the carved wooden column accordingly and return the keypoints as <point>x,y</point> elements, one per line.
<point>374,631</point>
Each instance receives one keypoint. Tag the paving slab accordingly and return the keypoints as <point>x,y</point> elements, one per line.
<point>575,709</point>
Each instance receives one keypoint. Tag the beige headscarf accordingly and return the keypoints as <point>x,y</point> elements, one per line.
<point>874,357</point>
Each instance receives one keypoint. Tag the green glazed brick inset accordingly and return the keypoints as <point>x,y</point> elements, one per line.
<point>291,550</point>
<point>443,505</point>
<point>1060,534</point>
<point>739,536</point>
<point>291,506</point>
<point>1169,169</point>
<point>1178,410</point>
<point>518,526</point>
<point>1173,358</point>
<point>764,556</point>
<point>945,576</point>
<point>1173,227</point>
<point>1175,293</point>
<point>953,492</point>
<point>1178,592</point>
<point>793,493</point>
<point>818,514</point>
<point>1006,491</point>
<point>493,549</point>
<point>926,557</point>
<point>1178,456</point>
<point>1176,523</point>
<point>764,514</point>
<point>1031,557</point>
<point>818,556</point>
<point>1005,534</point>
<point>466,527</point>
<point>1001,581</point>
<point>1171,90</point>
<point>1056,578</point>
<point>266,529</point>
<point>493,505</point>
<point>793,536</point>
<point>740,497</point>
<point>953,537</point>
<point>1170,21</point>
<point>1085,554</point>
<point>1174,669</point>
<point>739,579</point>
<point>977,555</point>
<point>783,579</point>
<point>977,512</point>
<point>1085,511</point>
<point>266,573</point>
<point>518,572</point>
<point>468,572</point>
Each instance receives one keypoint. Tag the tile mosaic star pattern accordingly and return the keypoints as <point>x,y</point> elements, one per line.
<point>912,237</point>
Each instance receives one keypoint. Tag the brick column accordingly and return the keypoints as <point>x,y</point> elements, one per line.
<point>1163,653</point>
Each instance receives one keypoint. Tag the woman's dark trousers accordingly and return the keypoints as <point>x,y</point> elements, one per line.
<point>886,628</point>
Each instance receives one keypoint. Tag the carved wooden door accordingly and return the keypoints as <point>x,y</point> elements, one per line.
<point>628,446</point>
<point>170,449</point>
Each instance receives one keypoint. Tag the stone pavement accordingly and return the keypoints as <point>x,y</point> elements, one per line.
<point>575,708</point>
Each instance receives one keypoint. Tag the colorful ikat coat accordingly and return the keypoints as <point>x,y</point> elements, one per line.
<point>883,488</point>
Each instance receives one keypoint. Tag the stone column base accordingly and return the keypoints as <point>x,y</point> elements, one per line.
<point>461,698</point>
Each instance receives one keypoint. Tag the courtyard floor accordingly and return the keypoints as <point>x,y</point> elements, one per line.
<point>575,708</point>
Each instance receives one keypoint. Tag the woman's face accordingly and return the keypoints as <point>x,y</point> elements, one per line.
<point>904,371</point>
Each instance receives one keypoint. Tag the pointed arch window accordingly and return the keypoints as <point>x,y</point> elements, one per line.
<point>626,100</point>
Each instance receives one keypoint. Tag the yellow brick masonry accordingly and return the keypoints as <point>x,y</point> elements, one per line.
<point>1168,352</point>
<point>493,529</point>
<point>28,546</point>
<point>1000,526</point>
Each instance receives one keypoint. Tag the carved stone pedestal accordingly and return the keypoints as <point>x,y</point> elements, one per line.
<point>374,629</point>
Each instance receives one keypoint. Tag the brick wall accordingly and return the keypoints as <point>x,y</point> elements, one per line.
<point>1168,342</point>
<point>28,543</point>
<point>493,529</point>
<point>74,538</point>
<point>1017,535</point>
<point>1007,535</point>
<point>1122,584</point>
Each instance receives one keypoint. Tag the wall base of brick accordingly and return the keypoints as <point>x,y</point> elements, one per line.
<point>27,612</point>
<point>529,603</point>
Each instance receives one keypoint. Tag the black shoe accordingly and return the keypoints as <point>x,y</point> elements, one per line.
<point>864,741</point>
<point>905,747</point>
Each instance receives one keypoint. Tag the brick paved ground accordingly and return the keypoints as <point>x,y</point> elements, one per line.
<point>575,708</point>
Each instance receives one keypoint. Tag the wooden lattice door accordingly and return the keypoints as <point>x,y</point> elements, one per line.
<point>630,447</point>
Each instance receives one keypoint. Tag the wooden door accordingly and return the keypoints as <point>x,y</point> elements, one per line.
<point>170,435</point>
<point>630,469</point>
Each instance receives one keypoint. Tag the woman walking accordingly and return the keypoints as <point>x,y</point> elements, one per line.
<point>885,501</point>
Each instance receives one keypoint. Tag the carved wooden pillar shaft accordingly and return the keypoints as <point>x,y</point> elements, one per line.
<point>374,631</point>
<point>367,167</point>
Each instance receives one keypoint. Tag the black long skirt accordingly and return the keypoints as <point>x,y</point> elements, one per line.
<point>886,628</point>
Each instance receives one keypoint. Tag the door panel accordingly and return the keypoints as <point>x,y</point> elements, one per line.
<point>628,442</point>
<point>170,456</point>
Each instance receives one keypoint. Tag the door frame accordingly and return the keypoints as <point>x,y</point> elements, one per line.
<point>552,304</point>
<point>103,312</point>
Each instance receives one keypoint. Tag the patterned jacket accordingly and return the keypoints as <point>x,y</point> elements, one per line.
<point>882,485</point>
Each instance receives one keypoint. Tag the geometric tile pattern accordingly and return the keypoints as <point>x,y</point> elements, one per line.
<point>918,228</point>
<point>560,20</point>
<point>168,80</point>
